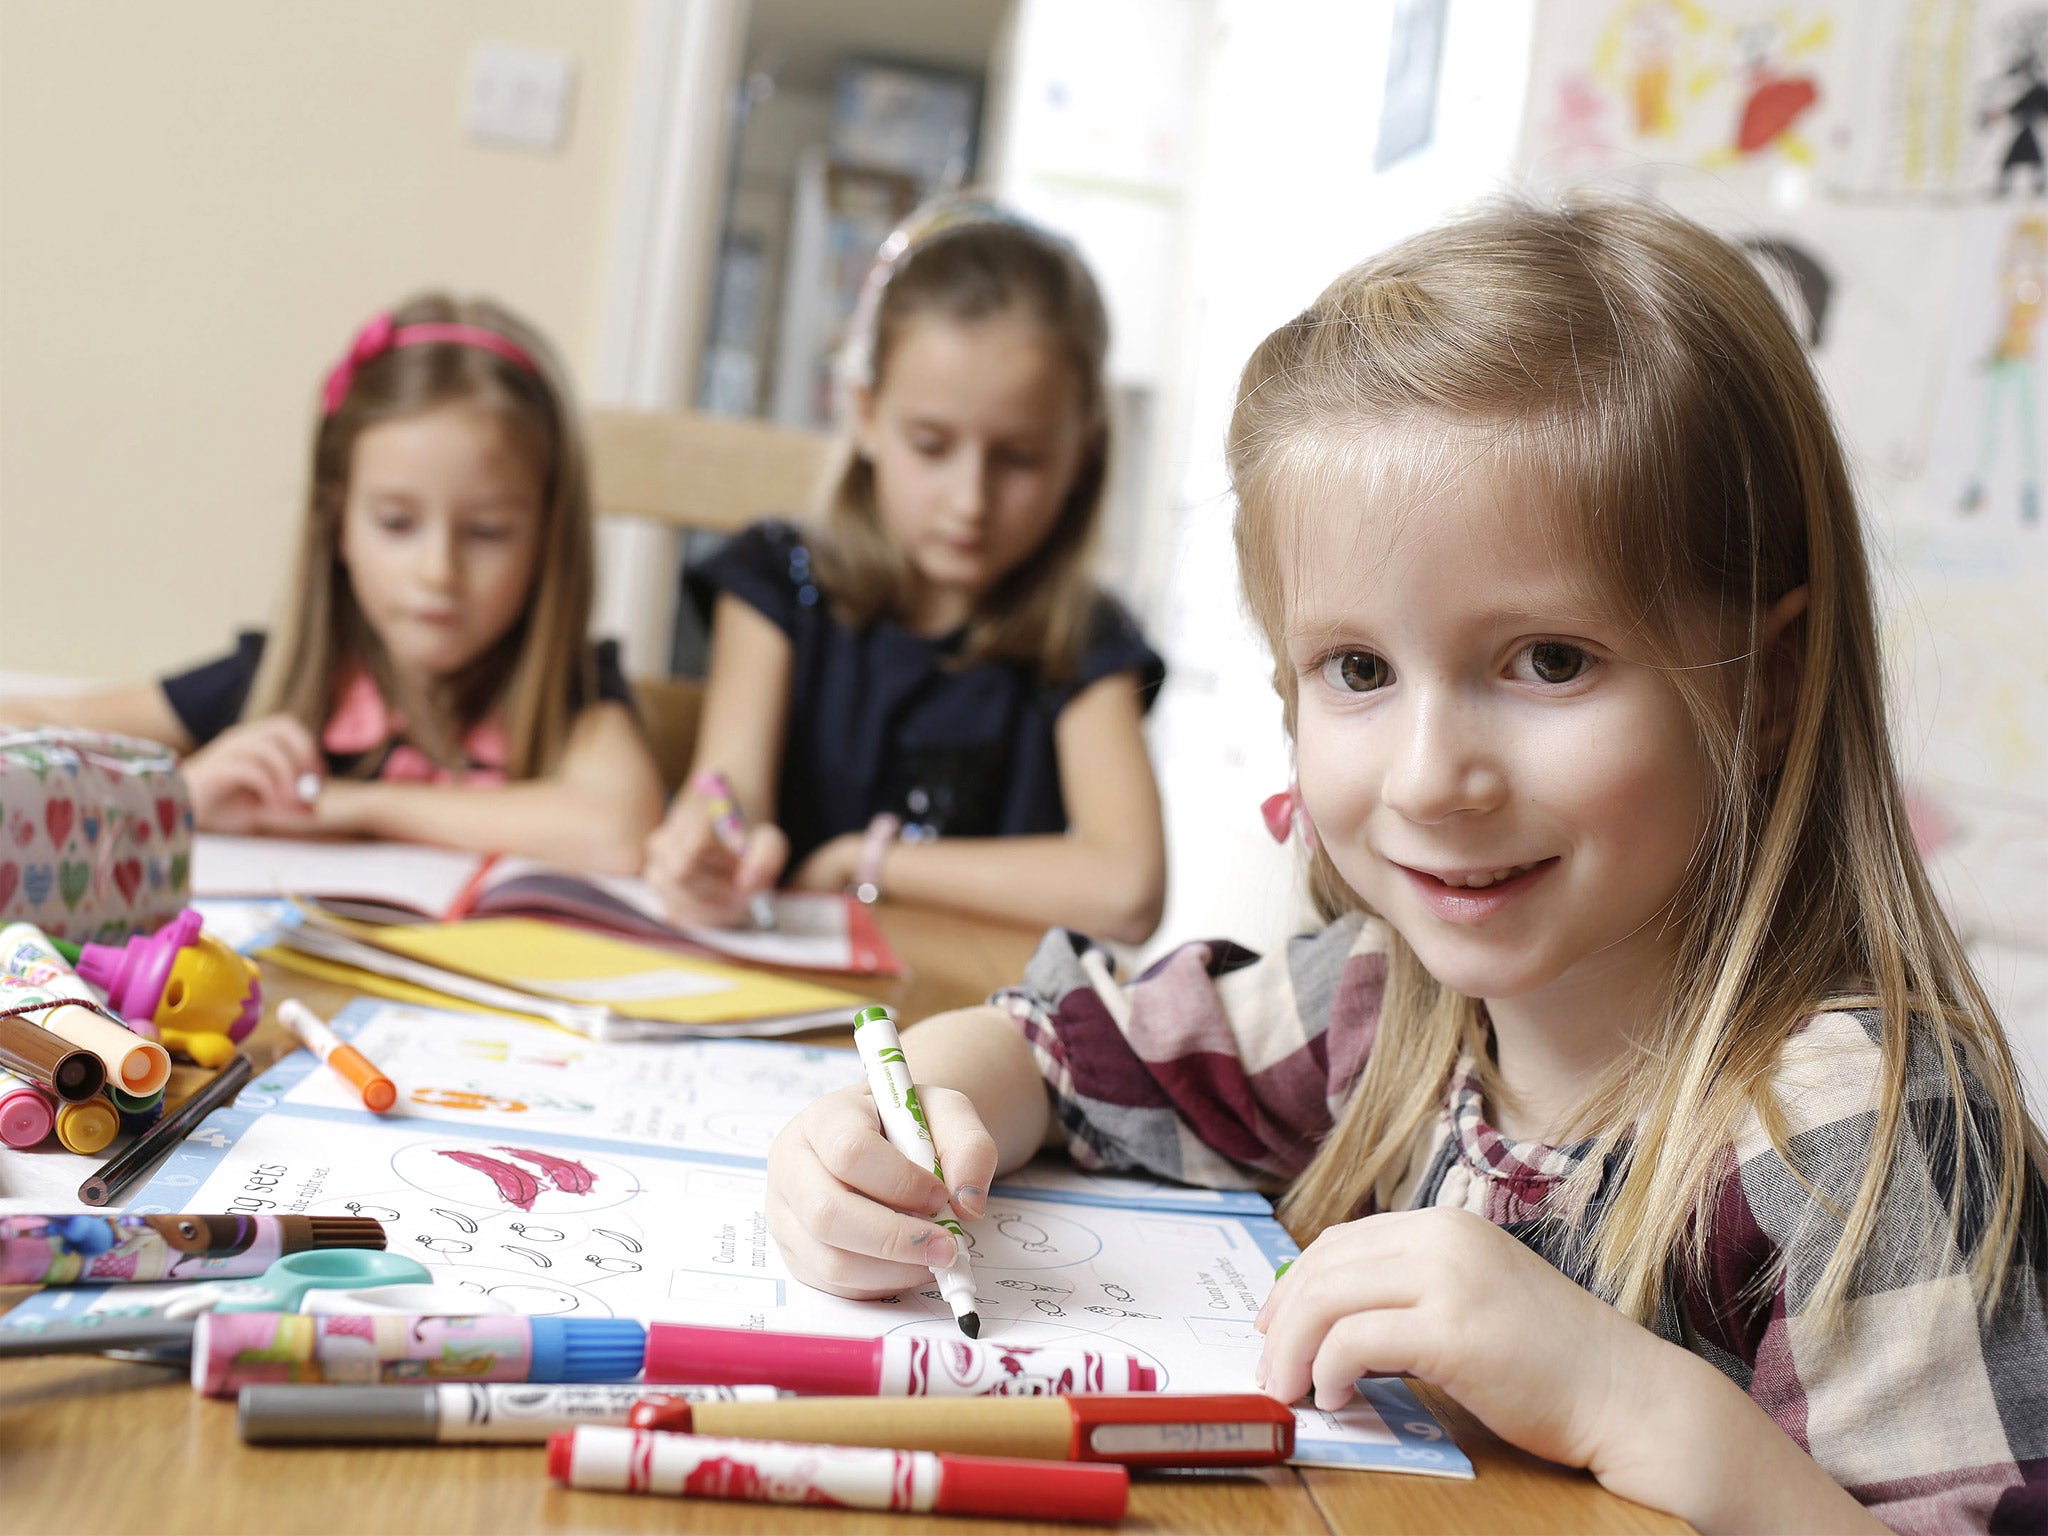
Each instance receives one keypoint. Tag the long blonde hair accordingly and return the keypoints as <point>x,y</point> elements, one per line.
<point>1636,369</point>
<point>971,269</point>
<point>542,669</point>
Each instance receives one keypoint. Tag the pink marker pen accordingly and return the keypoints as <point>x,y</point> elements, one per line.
<point>895,1365</point>
<point>27,1113</point>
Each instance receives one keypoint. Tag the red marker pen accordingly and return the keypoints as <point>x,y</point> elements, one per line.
<point>896,1365</point>
<point>848,1477</point>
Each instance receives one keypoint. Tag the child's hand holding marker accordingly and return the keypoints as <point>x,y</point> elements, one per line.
<point>710,866</point>
<point>843,1193</point>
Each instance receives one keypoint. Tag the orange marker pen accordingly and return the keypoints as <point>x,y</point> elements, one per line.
<point>379,1092</point>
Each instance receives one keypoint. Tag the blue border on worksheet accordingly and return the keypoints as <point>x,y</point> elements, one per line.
<point>1422,1444</point>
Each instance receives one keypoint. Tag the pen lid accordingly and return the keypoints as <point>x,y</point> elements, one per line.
<point>1181,1429</point>
<point>334,1231</point>
<point>872,1014</point>
<point>587,1349</point>
<point>1039,1490</point>
<point>329,1413</point>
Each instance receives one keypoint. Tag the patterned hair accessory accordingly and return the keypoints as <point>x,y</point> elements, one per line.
<point>380,335</point>
<point>856,368</point>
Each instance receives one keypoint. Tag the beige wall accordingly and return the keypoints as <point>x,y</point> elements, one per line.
<point>198,204</point>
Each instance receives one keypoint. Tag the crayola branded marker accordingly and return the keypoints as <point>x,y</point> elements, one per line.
<point>881,1055</point>
<point>850,1477</point>
<point>895,1365</point>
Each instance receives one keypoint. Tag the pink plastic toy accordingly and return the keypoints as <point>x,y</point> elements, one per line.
<point>201,995</point>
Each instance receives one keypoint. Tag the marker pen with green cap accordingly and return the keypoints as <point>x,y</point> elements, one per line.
<point>903,1122</point>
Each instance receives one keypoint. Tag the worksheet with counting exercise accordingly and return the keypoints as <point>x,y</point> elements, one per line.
<point>568,1178</point>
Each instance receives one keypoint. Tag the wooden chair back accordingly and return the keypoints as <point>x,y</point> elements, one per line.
<point>696,473</point>
<point>712,474</point>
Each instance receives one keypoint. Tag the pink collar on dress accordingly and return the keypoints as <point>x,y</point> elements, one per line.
<point>362,722</point>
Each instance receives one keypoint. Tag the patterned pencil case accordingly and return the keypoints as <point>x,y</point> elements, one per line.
<point>95,834</point>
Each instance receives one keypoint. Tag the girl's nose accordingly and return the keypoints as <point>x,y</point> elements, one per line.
<point>1446,761</point>
<point>968,489</point>
<point>439,557</point>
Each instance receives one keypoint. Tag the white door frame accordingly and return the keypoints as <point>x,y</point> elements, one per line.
<point>687,57</point>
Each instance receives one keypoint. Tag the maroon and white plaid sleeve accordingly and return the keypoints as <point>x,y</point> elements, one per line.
<point>1215,1067</point>
<point>1928,1409</point>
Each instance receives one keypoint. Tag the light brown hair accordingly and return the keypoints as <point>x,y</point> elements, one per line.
<point>1635,375</point>
<point>542,669</point>
<point>967,271</point>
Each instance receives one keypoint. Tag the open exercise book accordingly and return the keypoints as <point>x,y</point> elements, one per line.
<point>570,1178</point>
<point>597,984</point>
<point>813,930</point>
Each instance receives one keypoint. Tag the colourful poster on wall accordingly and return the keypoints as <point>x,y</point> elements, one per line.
<point>1640,88</point>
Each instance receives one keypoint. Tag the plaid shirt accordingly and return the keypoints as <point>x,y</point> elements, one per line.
<point>1221,1069</point>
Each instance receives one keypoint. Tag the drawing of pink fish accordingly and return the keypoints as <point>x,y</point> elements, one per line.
<point>515,1185</point>
<point>570,1177</point>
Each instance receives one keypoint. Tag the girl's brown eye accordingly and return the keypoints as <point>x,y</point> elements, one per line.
<point>1554,662</point>
<point>1357,672</point>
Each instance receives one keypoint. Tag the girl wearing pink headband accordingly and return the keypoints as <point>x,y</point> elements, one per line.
<point>431,678</point>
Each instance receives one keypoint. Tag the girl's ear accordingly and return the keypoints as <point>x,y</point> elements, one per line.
<point>1781,668</point>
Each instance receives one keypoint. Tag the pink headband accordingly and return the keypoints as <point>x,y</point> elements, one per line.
<point>379,335</point>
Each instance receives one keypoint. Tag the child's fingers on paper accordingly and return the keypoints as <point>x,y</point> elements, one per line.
<point>966,1150</point>
<point>1350,1279</point>
<point>1377,1343</point>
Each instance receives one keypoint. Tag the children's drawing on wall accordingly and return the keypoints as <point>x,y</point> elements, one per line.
<point>1644,87</point>
<point>1956,99</point>
<point>2019,102</point>
<point>1779,89</point>
<point>2009,422</point>
<point>1657,55</point>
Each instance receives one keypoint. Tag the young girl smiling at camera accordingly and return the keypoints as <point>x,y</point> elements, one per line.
<point>434,681</point>
<point>1637,1092</point>
<point>928,696</point>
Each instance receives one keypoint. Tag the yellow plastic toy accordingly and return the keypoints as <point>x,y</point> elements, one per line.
<point>202,997</point>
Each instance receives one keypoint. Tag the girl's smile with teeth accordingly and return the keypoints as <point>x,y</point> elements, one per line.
<point>1485,877</point>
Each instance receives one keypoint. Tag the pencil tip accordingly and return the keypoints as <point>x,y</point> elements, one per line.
<point>970,1324</point>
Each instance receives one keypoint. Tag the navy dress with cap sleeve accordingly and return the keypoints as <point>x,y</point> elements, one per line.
<point>879,722</point>
<point>211,697</point>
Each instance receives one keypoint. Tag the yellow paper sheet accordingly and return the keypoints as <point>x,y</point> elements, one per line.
<point>637,980</point>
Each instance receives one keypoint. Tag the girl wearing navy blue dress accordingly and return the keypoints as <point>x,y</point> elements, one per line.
<point>432,679</point>
<point>928,696</point>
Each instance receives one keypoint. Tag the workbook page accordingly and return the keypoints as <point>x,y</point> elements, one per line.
<point>564,1178</point>
<point>400,875</point>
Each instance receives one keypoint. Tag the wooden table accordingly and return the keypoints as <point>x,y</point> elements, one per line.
<point>95,1445</point>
